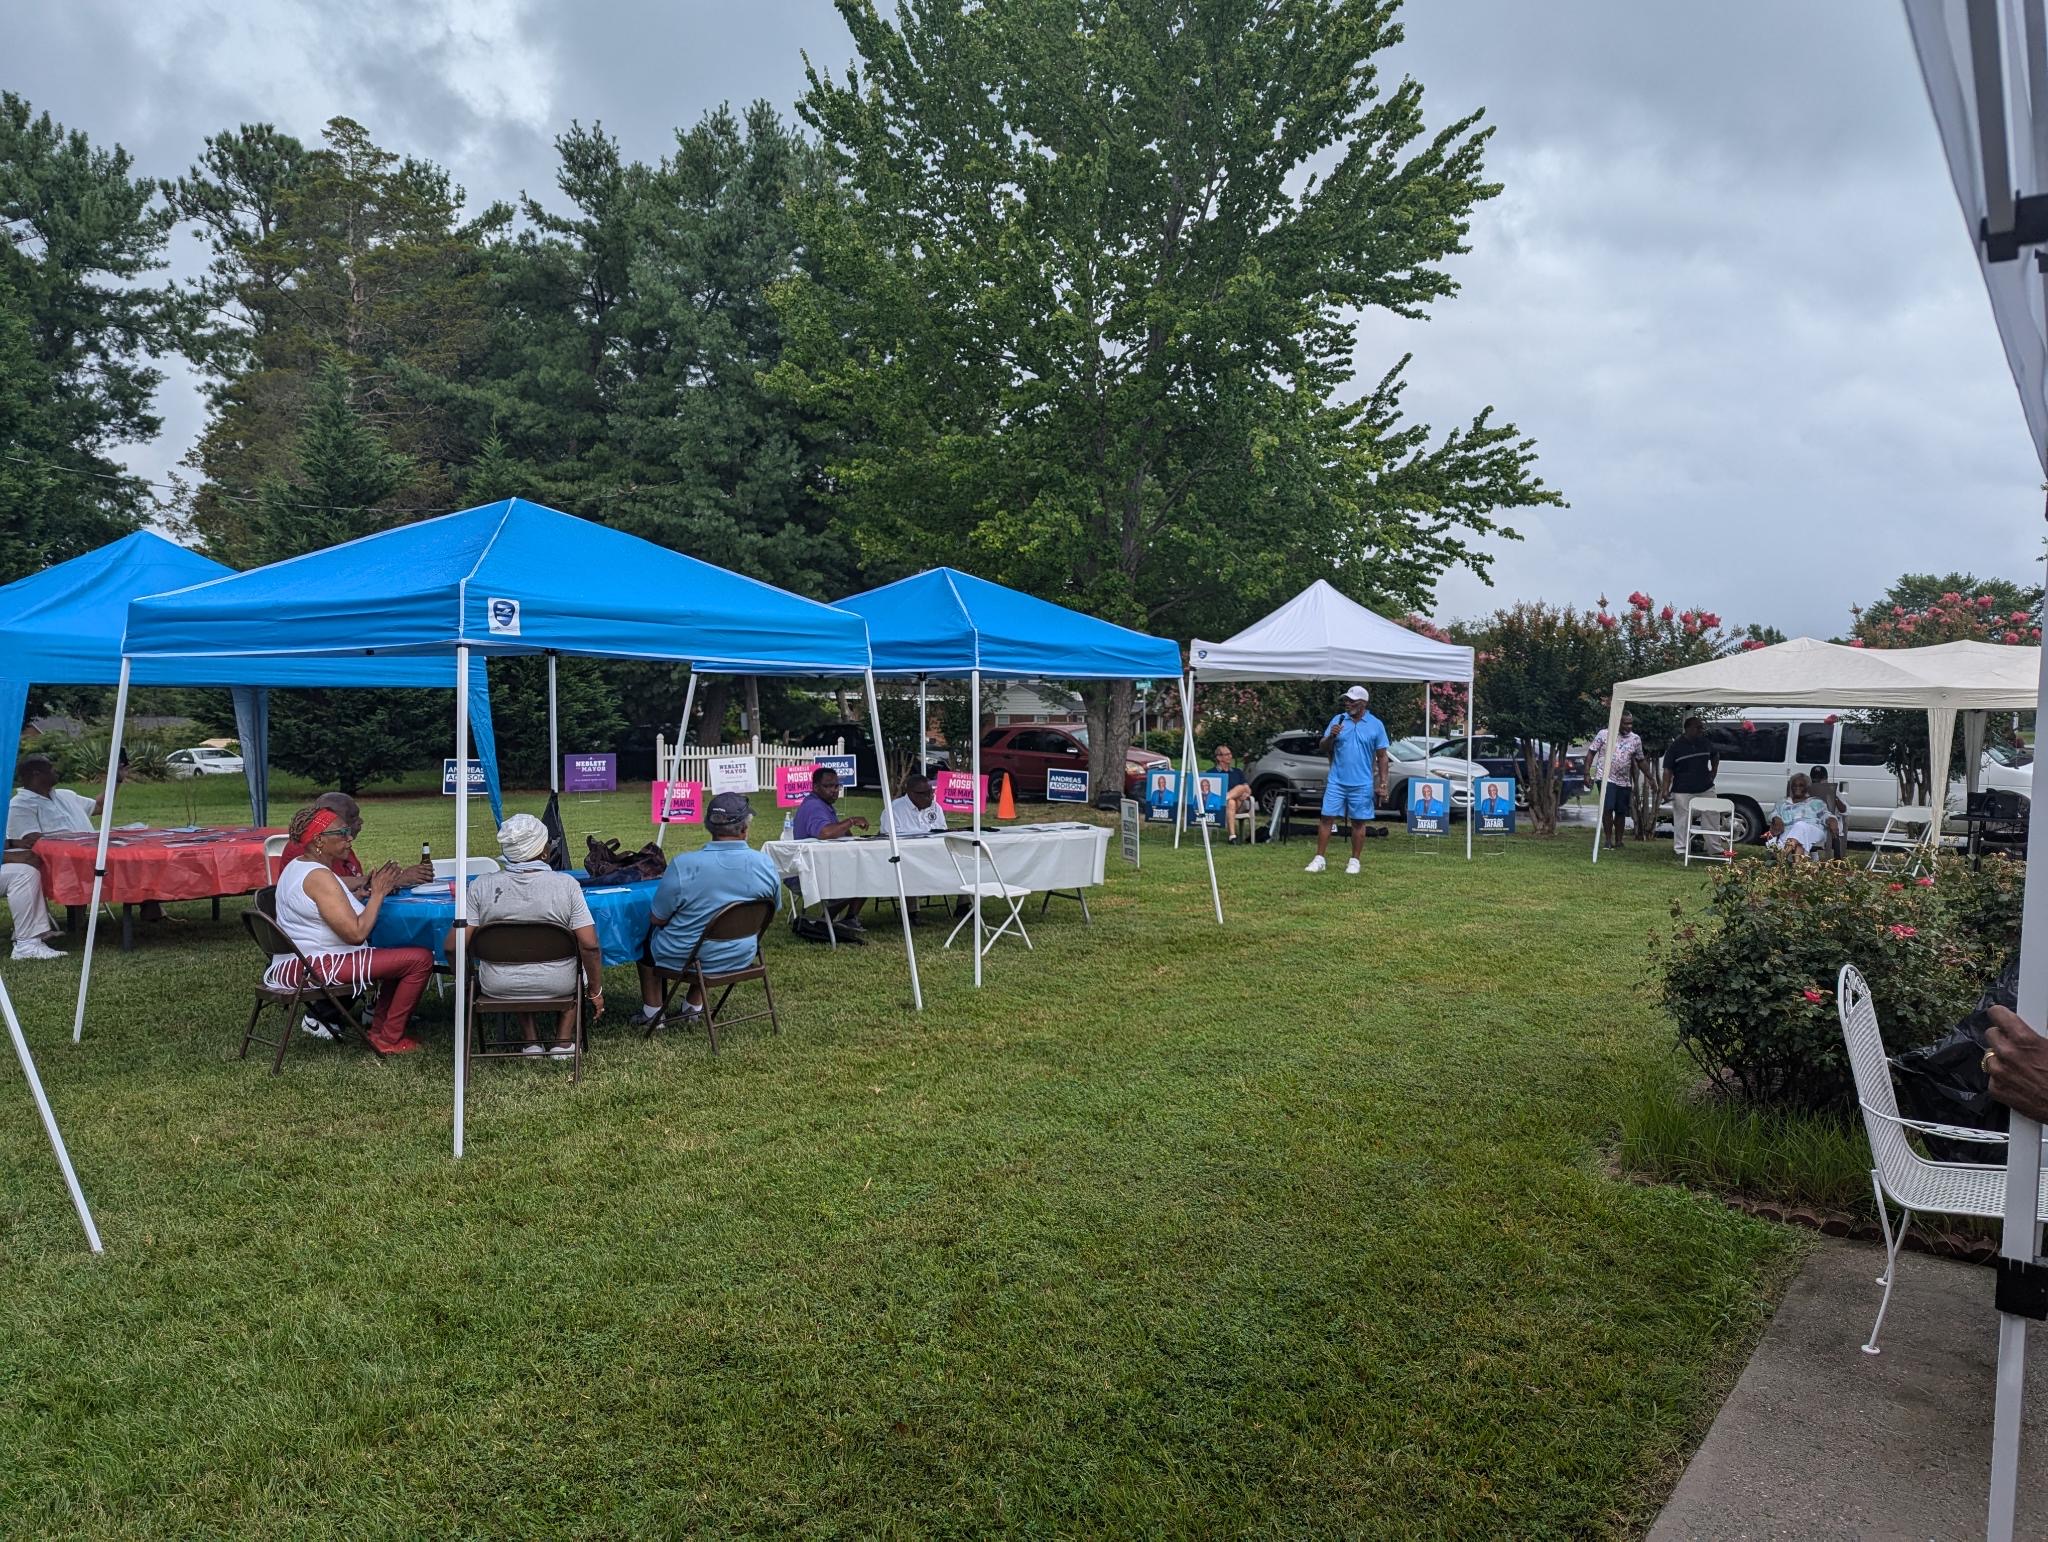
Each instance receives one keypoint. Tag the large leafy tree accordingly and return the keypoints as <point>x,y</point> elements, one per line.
<point>1084,294</point>
<point>80,319</point>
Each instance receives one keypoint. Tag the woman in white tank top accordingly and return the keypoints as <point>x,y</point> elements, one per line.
<point>331,927</point>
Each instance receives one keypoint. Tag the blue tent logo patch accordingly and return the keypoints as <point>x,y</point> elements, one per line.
<point>504,617</point>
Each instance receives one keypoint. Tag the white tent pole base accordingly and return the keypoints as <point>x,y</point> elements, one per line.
<point>35,1087</point>
<point>99,864</point>
<point>895,850</point>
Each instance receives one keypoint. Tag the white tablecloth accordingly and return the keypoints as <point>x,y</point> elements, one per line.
<point>1037,857</point>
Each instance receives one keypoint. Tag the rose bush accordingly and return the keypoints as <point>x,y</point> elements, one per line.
<point>1750,982</point>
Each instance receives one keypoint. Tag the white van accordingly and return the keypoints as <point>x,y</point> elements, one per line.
<point>1757,761</point>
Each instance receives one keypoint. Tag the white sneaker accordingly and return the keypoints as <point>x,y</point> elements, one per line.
<point>314,1028</point>
<point>561,1052</point>
<point>533,1051</point>
<point>1351,867</point>
<point>34,947</point>
<point>1315,865</point>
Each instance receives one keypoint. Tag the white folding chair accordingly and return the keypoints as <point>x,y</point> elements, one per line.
<point>1901,845</point>
<point>1717,825</point>
<point>978,889</point>
<point>1915,1184</point>
<point>273,853</point>
<point>444,867</point>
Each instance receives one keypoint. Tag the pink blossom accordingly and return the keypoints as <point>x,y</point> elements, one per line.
<point>1856,642</point>
<point>1607,622</point>
<point>2018,618</point>
<point>1831,718</point>
<point>1898,610</point>
<point>1748,727</point>
<point>2011,637</point>
<point>1951,598</point>
<point>1895,886</point>
<point>1985,601</point>
<point>1665,614</point>
<point>2037,634</point>
<point>1902,931</point>
<point>1710,619</point>
<point>1750,645</point>
<point>1924,881</point>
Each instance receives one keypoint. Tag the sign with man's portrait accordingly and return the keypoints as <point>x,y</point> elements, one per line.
<point>1429,805</point>
<point>1495,809</point>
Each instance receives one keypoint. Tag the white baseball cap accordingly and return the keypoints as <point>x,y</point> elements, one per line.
<point>1358,693</point>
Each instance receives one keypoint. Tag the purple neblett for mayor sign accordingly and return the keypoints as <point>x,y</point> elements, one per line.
<point>590,773</point>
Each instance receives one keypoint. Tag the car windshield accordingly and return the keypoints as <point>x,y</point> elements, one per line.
<point>2010,754</point>
<point>1403,750</point>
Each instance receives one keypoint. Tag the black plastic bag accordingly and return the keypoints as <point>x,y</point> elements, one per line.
<point>1944,1082</point>
<point>558,838</point>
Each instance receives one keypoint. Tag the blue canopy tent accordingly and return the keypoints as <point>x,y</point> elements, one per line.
<point>956,626</point>
<point>63,626</point>
<point>506,579</point>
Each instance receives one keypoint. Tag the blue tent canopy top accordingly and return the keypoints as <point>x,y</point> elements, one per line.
<point>946,622</point>
<point>509,578</point>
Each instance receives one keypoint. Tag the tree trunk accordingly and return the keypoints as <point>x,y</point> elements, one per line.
<point>1108,704</point>
<point>1544,783</point>
<point>711,704</point>
<point>753,706</point>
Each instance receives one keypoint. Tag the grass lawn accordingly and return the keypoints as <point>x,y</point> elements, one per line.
<point>1297,1227</point>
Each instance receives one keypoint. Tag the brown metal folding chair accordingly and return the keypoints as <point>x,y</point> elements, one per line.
<point>521,942</point>
<point>741,919</point>
<point>269,936</point>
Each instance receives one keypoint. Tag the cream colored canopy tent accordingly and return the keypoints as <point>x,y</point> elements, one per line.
<point>1968,677</point>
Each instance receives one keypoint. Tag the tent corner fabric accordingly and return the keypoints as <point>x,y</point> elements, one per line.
<point>1322,634</point>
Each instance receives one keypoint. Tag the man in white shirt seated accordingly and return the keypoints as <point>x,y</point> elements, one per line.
<point>917,811</point>
<point>43,808</point>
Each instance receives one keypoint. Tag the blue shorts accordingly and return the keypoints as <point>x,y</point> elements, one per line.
<point>1352,802</point>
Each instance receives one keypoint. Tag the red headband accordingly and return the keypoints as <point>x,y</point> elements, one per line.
<point>321,822</point>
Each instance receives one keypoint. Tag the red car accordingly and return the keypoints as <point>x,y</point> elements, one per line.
<point>1024,752</point>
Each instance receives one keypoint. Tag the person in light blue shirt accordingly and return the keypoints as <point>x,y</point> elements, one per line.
<point>697,885</point>
<point>1356,743</point>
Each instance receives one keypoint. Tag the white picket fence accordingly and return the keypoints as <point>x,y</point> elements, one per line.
<point>692,762</point>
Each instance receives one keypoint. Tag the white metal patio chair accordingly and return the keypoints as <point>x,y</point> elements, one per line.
<point>273,853</point>
<point>1717,825</point>
<point>1901,845</point>
<point>1915,1184</point>
<point>444,867</point>
<point>979,889</point>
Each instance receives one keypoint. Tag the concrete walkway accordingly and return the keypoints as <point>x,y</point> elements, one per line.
<point>1820,1440</point>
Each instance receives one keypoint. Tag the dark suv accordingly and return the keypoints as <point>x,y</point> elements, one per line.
<point>1024,752</point>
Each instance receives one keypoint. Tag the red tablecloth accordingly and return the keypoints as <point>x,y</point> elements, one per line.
<point>155,864</point>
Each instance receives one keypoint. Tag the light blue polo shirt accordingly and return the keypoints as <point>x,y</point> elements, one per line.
<point>699,884</point>
<point>1351,758</point>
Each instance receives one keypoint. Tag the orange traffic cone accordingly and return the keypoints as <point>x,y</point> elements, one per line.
<point>1006,805</point>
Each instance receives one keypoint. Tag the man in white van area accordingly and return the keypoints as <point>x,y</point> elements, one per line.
<point>1691,762</point>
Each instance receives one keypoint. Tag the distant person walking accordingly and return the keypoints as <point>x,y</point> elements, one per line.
<point>1691,762</point>
<point>1356,743</point>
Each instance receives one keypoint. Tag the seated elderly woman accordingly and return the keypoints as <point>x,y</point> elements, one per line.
<point>529,890</point>
<point>1802,823</point>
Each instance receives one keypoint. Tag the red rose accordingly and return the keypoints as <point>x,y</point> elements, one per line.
<point>1924,882</point>
<point>1813,995</point>
<point>1895,886</point>
<point>1902,931</point>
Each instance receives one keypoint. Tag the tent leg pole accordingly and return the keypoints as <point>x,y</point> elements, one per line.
<point>554,734</point>
<point>895,850</point>
<point>1606,775</point>
<point>924,737</point>
<point>461,959</point>
<point>1209,855</point>
<point>682,737</point>
<point>2021,1238</point>
<point>35,1087</point>
<point>1187,756</point>
<point>974,690</point>
<point>99,863</point>
<point>1471,781</point>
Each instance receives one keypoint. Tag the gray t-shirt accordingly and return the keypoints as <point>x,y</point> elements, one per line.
<point>529,891</point>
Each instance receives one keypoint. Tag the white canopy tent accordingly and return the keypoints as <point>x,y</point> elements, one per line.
<point>1967,677</point>
<point>1321,634</point>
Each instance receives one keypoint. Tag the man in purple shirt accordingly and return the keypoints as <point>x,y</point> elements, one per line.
<point>817,819</point>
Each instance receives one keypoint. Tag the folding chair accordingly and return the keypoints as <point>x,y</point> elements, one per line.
<point>273,854</point>
<point>521,942</point>
<point>1719,825</point>
<point>1901,845</point>
<point>735,922</point>
<point>1903,1176</point>
<point>292,1000</point>
<point>978,889</point>
<point>444,867</point>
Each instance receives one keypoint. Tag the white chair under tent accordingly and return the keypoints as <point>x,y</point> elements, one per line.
<point>1902,845</point>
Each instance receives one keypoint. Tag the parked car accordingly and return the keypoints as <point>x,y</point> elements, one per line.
<point>1294,764</point>
<point>1498,755</point>
<point>1761,747</point>
<point>1024,752</point>
<point>203,761</point>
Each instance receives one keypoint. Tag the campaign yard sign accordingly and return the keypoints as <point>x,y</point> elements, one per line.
<point>1429,805</point>
<point>1128,827</point>
<point>847,767</point>
<point>1495,809</point>
<point>590,773</point>
<point>678,803</point>
<point>732,773</point>
<point>958,792</point>
<point>792,785</point>
<point>1066,786</point>
<point>1209,796</point>
<point>1160,787</point>
<point>477,789</point>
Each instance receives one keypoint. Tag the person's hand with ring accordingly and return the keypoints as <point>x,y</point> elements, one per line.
<point>2017,1065</point>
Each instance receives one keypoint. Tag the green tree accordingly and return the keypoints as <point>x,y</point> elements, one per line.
<point>1543,679</point>
<point>80,320</point>
<point>1083,296</point>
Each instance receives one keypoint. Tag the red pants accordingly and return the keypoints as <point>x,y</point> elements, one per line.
<point>403,972</point>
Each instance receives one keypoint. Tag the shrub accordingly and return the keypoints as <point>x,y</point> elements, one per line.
<point>1751,984</point>
<point>81,759</point>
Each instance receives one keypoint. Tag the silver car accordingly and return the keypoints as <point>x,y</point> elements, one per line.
<point>1295,765</point>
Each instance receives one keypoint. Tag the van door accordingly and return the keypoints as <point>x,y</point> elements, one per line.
<point>1868,786</point>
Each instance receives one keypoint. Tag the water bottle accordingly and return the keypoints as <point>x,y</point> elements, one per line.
<point>789,824</point>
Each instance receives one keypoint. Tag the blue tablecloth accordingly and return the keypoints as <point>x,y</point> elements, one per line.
<point>620,912</point>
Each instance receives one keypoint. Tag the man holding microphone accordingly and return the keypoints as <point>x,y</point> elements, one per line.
<point>1356,743</point>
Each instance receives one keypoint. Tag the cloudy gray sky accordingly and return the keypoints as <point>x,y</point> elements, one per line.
<point>1726,288</point>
